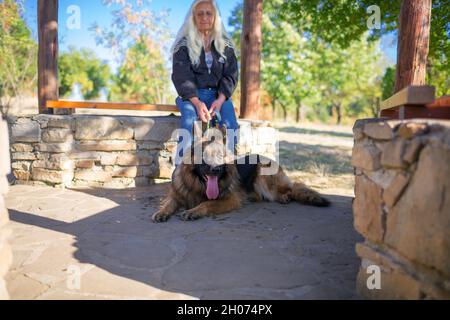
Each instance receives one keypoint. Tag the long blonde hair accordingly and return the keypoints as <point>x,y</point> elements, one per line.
<point>189,36</point>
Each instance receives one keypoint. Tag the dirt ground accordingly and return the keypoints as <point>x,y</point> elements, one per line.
<point>319,155</point>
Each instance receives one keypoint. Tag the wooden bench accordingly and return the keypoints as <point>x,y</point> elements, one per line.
<point>72,105</point>
<point>416,102</point>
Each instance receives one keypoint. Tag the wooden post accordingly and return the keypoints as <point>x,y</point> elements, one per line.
<point>413,43</point>
<point>48,53</point>
<point>250,59</point>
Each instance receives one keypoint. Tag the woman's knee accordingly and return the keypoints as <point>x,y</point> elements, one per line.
<point>228,115</point>
<point>188,112</point>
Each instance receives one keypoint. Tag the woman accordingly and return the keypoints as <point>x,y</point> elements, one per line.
<point>205,71</point>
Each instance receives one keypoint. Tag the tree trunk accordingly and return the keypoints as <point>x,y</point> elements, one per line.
<point>338,108</point>
<point>48,53</point>
<point>250,59</point>
<point>299,112</point>
<point>283,107</point>
<point>413,43</point>
<point>274,100</point>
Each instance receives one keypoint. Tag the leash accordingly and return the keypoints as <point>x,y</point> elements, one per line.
<point>218,119</point>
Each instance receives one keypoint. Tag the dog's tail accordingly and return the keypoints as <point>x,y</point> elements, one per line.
<point>307,196</point>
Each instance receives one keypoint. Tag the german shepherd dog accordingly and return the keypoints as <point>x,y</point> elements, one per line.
<point>211,185</point>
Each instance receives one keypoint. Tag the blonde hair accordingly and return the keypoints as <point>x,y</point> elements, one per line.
<point>189,36</point>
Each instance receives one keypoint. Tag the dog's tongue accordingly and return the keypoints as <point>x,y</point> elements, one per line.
<point>212,187</point>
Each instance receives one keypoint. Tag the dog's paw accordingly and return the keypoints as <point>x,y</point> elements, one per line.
<point>160,217</point>
<point>190,215</point>
<point>284,199</point>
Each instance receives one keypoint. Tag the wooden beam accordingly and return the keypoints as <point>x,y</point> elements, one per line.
<point>411,95</point>
<point>413,43</point>
<point>251,42</point>
<point>48,52</point>
<point>62,104</point>
<point>430,111</point>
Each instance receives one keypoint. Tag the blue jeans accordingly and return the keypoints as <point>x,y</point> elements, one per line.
<point>189,116</point>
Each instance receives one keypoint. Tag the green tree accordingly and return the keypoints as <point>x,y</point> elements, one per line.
<point>142,77</point>
<point>83,67</point>
<point>18,54</point>
<point>388,83</point>
<point>298,68</point>
<point>344,21</point>
<point>138,37</point>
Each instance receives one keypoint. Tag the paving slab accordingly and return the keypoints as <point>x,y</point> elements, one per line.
<point>101,244</point>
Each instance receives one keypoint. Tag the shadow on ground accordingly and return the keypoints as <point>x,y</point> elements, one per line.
<point>262,251</point>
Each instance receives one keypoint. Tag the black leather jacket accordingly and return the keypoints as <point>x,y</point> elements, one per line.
<point>187,77</point>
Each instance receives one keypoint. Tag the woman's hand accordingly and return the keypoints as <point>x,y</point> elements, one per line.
<point>202,109</point>
<point>217,104</point>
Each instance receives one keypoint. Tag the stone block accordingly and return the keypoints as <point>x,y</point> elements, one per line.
<point>91,155</point>
<point>60,122</point>
<point>113,145</point>
<point>367,209</point>
<point>101,128</point>
<point>156,131</point>
<point>55,162</point>
<point>22,175</point>
<point>395,285</point>
<point>133,159</point>
<point>150,145</point>
<point>144,171</point>
<point>411,129</point>
<point>162,169</point>
<point>378,130</point>
<point>418,225</point>
<point>54,147</point>
<point>395,189</point>
<point>382,177</point>
<point>57,135</point>
<point>128,172</point>
<point>412,150</point>
<point>366,156</point>
<point>358,130</point>
<point>93,175</point>
<point>392,156</point>
<point>52,176</point>
<point>24,156</point>
<point>85,164</point>
<point>21,165</point>
<point>21,147</point>
<point>26,132</point>
<point>108,159</point>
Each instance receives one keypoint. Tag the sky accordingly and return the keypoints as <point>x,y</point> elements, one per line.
<point>94,11</point>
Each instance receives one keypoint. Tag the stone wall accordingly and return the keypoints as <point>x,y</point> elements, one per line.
<point>5,249</point>
<point>402,207</point>
<point>107,151</point>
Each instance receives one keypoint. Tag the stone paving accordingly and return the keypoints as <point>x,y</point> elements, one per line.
<point>101,244</point>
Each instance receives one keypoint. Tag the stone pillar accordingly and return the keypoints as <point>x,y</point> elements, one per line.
<point>401,208</point>
<point>5,249</point>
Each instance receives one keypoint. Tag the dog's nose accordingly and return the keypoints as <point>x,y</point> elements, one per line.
<point>215,170</point>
